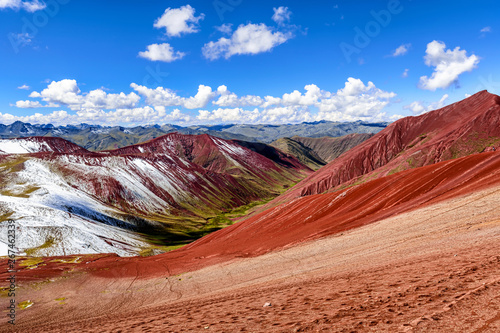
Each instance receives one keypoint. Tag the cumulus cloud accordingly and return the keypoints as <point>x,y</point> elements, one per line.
<point>405,73</point>
<point>99,99</point>
<point>356,101</point>
<point>230,99</point>
<point>247,39</point>
<point>27,104</point>
<point>234,115</point>
<point>201,99</point>
<point>401,50</point>
<point>166,97</point>
<point>448,65</point>
<point>486,29</point>
<point>178,21</point>
<point>281,15</point>
<point>67,93</point>
<point>311,96</point>
<point>419,108</point>
<point>161,52</point>
<point>29,6</point>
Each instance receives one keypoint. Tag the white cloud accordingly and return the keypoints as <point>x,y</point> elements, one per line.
<point>401,50</point>
<point>27,104</point>
<point>33,6</point>
<point>405,73</point>
<point>419,108</point>
<point>235,115</point>
<point>166,97</point>
<point>311,96</point>
<point>355,101</point>
<point>285,115</point>
<point>449,64</point>
<point>24,87</point>
<point>179,21</point>
<point>159,96</point>
<point>486,29</point>
<point>161,52</point>
<point>201,99</point>
<point>135,116</point>
<point>29,6</point>
<point>66,92</point>
<point>12,4</point>
<point>247,39</point>
<point>277,115</point>
<point>99,99</point>
<point>270,100</point>
<point>230,99</point>
<point>281,15</point>
<point>225,28</point>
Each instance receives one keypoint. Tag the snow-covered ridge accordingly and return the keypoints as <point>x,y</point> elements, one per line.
<point>38,145</point>
<point>23,146</point>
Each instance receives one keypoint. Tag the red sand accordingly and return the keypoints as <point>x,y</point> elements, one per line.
<point>435,269</point>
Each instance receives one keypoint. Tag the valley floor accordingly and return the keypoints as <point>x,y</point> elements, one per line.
<point>433,269</point>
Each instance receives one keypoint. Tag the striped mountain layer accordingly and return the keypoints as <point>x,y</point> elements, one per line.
<point>170,190</point>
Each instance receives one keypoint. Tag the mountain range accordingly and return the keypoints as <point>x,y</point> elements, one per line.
<point>97,138</point>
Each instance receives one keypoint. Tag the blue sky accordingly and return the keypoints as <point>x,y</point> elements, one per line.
<point>238,61</point>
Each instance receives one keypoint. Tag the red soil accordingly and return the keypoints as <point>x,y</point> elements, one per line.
<point>435,269</point>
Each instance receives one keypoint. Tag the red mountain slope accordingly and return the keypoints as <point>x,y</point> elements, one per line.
<point>310,217</point>
<point>457,130</point>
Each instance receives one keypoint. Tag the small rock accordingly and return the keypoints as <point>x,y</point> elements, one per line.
<point>266,305</point>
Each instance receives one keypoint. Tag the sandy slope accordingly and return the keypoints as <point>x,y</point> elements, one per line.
<point>435,269</point>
